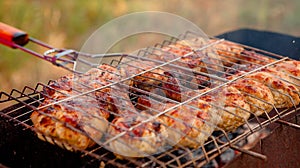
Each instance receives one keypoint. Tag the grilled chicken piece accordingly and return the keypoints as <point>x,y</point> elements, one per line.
<point>189,54</point>
<point>148,80</point>
<point>194,61</point>
<point>291,68</point>
<point>282,76</point>
<point>224,52</point>
<point>236,109</point>
<point>227,102</point>
<point>259,96</point>
<point>170,85</point>
<point>69,122</point>
<point>140,141</point>
<point>133,137</point>
<point>116,97</point>
<point>277,74</point>
<point>285,94</point>
<point>97,78</point>
<point>191,57</point>
<point>60,88</point>
<point>232,107</point>
<point>74,119</point>
<point>188,125</point>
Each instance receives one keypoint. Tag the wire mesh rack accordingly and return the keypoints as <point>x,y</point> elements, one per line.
<point>168,106</point>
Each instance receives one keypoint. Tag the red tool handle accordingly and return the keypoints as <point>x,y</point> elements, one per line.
<point>10,36</point>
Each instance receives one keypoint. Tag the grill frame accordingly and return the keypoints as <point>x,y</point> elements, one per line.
<point>87,152</point>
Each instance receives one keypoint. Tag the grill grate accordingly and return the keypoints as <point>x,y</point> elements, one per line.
<point>19,105</point>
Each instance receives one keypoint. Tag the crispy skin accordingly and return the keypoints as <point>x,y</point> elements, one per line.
<point>291,68</point>
<point>60,88</point>
<point>283,76</point>
<point>277,74</point>
<point>86,117</point>
<point>173,88</point>
<point>285,94</point>
<point>85,114</point>
<point>147,139</point>
<point>229,103</point>
<point>234,109</point>
<point>258,95</point>
<point>189,125</point>
<point>122,103</point>
<point>94,79</point>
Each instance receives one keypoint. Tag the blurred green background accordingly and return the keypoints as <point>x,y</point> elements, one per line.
<point>68,23</point>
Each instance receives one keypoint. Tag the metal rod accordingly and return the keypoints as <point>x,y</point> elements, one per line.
<point>248,152</point>
<point>288,124</point>
<point>38,42</point>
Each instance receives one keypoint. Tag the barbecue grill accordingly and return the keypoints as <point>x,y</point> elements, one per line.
<point>20,104</point>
